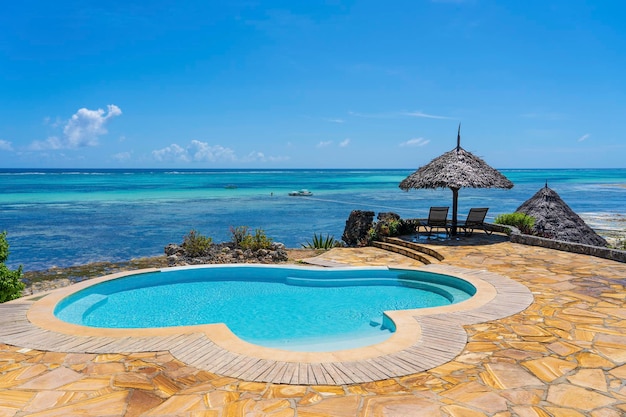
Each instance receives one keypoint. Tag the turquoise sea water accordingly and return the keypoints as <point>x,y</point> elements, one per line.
<point>294,309</point>
<point>70,217</point>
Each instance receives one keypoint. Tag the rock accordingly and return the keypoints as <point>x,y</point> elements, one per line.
<point>173,249</point>
<point>388,216</point>
<point>227,252</point>
<point>357,228</point>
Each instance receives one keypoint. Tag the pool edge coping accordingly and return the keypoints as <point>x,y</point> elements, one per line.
<point>409,339</point>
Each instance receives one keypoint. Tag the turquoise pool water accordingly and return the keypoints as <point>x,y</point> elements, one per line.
<point>300,309</point>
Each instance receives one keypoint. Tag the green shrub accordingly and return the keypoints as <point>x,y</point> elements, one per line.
<point>196,245</point>
<point>257,241</point>
<point>372,235</point>
<point>522,221</point>
<point>394,227</point>
<point>320,242</point>
<point>239,234</point>
<point>11,285</point>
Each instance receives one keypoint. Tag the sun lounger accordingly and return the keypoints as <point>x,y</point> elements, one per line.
<point>437,219</point>
<point>475,220</point>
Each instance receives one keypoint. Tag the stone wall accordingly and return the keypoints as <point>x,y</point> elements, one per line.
<point>597,251</point>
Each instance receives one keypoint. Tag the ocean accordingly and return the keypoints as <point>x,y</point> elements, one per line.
<point>71,217</point>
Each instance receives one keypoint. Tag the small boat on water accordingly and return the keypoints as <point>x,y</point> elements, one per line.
<point>301,193</point>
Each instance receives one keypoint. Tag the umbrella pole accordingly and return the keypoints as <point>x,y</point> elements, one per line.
<point>455,206</point>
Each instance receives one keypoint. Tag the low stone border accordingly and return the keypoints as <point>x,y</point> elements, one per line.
<point>518,237</point>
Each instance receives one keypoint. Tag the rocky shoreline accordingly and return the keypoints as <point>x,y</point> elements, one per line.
<point>53,278</point>
<point>226,253</point>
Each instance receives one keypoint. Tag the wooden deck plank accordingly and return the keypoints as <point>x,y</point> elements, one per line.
<point>254,372</point>
<point>322,377</point>
<point>186,349</point>
<point>209,353</point>
<point>120,344</point>
<point>241,365</point>
<point>214,360</point>
<point>330,371</point>
<point>348,369</point>
<point>371,373</point>
<point>290,370</point>
<point>225,362</point>
<point>200,350</point>
<point>303,373</point>
<point>374,363</point>
<point>268,370</point>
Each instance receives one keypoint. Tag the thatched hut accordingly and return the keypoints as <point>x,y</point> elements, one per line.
<point>556,220</point>
<point>456,169</point>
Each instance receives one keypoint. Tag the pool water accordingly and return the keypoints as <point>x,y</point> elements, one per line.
<point>301,309</point>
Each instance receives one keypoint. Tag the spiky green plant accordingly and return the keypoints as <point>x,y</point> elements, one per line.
<point>321,242</point>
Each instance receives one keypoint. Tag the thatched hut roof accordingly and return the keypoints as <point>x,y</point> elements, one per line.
<point>555,219</point>
<point>456,169</point>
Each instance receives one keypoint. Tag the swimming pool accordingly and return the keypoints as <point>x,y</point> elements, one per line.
<point>299,309</point>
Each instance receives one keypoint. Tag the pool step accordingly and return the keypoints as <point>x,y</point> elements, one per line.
<point>411,249</point>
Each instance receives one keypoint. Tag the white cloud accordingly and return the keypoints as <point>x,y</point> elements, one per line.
<point>5,145</point>
<point>583,137</point>
<point>202,151</point>
<point>344,142</point>
<point>54,123</point>
<point>255,156</point>
<point>425,115</point>
<point>52,142</point>
<point>395,115</point>
<point>324,143</point>
<point>335,120</point>
<point>81,130</point>
<point>372,115</point>
<point>415,142</point>
<point>198,151</point>
<point>122,156</point>
<point>86,125</point>
<point>172,153</point>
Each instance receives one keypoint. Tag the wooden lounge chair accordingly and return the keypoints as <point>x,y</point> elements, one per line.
<point>475,220</point>
<point>437,219</point>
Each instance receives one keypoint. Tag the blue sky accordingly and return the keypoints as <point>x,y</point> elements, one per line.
<point>311,84</point>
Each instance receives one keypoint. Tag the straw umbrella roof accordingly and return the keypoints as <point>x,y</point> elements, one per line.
<point>456,169</point>
<point>555,219</point>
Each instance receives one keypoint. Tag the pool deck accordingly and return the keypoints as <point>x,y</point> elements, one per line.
<point>564,355</point>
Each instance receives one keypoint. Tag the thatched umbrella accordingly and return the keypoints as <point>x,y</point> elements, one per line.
<point>455,170</point>
<point>556,220</point>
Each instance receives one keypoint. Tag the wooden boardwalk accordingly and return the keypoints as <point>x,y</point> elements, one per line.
<point>442,339</point>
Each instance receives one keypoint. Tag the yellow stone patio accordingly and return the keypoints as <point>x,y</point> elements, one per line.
<point>564,355</point>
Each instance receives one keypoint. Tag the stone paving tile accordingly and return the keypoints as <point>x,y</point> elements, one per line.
<point>563,356</point>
